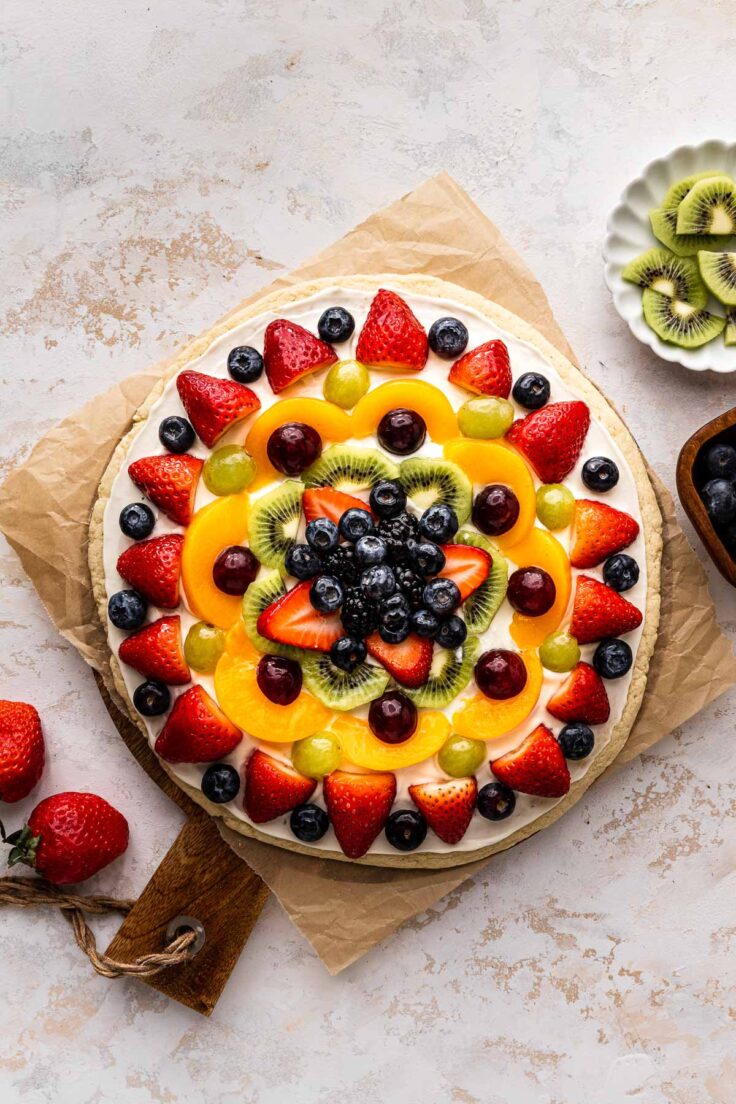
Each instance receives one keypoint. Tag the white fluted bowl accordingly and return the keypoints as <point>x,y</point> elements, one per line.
<point>630,234</point>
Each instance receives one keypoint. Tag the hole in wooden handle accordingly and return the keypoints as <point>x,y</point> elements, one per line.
<point>181,924</point>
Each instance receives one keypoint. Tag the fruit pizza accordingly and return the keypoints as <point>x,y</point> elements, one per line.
<point>380,573</point>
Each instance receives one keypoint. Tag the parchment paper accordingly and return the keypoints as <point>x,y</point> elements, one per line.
<point>344,910</point>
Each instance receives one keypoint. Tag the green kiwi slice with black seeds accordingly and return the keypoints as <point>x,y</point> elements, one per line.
<point>664,227</point>
<point>483,604</point>
<point>709,207</point>
<point>662,271</point>
<point>680,323</point>
<point>349,469</point>
<point>719,275</point>
<point>261,594</point>
<point>449,674</point>
<point>677,192</point>
<point>273,523</point>
<point>339,689</point>
<point>428,481</point>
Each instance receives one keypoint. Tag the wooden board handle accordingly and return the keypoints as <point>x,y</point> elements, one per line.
<point>201,877</point>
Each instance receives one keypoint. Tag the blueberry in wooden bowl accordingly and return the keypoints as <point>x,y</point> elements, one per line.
<point>706,484</point>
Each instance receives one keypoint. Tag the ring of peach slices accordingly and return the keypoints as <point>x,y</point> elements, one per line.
<point>345,572</point>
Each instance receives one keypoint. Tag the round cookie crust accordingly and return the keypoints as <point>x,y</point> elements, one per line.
<point>601,411</point>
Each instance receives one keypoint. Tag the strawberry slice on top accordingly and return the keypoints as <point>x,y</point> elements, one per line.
<point>392,336</point>
<point>448,807</point>
<point>485,370</point>
<point>292,619</point>
<point>273,788</point>
<point>466,566</point>
<point>326,502</point>
<point>153,567</point>
<point>196,730</point>
<point>155,651</point>
<point>213,405</point>
<point>537,766</point>
<point>600,531</point>
<point>582,697</point>
<point>358,805</point>
<point>599,611</point>
<point>408,662</point>
<point>291,352</point>
<point>552,438</point>
<point>170,482</point>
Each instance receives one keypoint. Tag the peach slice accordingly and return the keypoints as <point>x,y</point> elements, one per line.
<point>424,398</point>
<point>494,462</point>
<point>214,527</point>
<point>242,700</point>
<point>361,747</point>
<point>541,549</point>
<point>480,718</point>
<point>332,424</point>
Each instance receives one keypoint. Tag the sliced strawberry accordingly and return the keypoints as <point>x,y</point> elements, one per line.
<point>273,788</point>
<point>292,619</point>
<point>599,611</point>
<point>391,336</point>
<point>552,438</point>
<point>408,662</point>
<point>466,566</point>
<point>600,530</point>
<point>582,697</point>
<point>155,651</point>
<point>196,730</point>
<point>153,567</point>
<point>448,807</point>
<point>170,482</point>
<point>213,404</point>
<point>325,502</point>
<point>485,370</point>
<point>537,766</point>
<point>358,805</point>
<point>290,352</point>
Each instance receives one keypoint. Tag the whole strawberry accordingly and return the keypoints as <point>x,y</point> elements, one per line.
<point>69,837</point>
<point>22,752</point>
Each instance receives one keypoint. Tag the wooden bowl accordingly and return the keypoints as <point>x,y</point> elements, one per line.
<point>691,474</point>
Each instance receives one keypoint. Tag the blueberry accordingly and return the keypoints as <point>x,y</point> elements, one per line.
<point>302,562</point>
<point>347,653</point>
<point>378,581</point>
<point>600,474</point>
<point>322,535</point>
<point>309,823</point>
<point>448,338</point>
<point>576,740</point>
<point>612,659</point>
<point>127,609</point>
<point>326,594</point>
<point>335,325</point>
<point>387,498</point>
<point>719,497</point>
<point>720,461</point>
<point>406,829</point>
<point>394,612</point>
<point>151,698</point>
<point>394,636</point>
<point>245,364</point>
<point>176,434</point>
<point>425,623</point>
<point>137,520</point>
<point>220,783</point>
<point>621,572</point>
<point>452,632</point>
<point>355,523</point>
<point>438,523</point>
<point>442,596</point>
<point>496,801</point>
<point>426,558</point>
<point>370,550</point>
<point>531,391</point>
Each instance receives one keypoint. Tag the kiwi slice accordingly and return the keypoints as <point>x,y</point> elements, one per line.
<point>342,689</point>
<point>664,227</point>
<point>662,271</point>
<point>730,335</point>
<point>719,275</point>
<point>429,481</point>
<point>449,673</point>
<point>680,323</point>
<point>483,604</point>
<point>349,468</point>
<point>273,523</point>
<point>709,207</point>
<point>259,595</point>
<point>678,191</point>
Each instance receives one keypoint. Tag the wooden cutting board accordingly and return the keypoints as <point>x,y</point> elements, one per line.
<point>200,876</point>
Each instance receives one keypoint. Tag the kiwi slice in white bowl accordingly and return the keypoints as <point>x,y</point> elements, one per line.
<point>664,227</point>
<point>678,322</point>
<point>675,277</point>
<point>709,207</point>
<point>719,275</point>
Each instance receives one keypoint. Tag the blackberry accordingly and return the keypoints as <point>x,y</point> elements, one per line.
<point>359,616</point>
<point>397,532</point>
<point>341,563</point>
<point>411,585</point>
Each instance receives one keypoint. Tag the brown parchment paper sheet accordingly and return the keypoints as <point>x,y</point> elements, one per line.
<point>342,909</point>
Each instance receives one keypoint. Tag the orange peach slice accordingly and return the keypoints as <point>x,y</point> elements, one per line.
<point>214,527</point>
<point>541,549</point>
<point>242,700</point>
<point>481,718</point>
<point>424,398</point>
<point>361,747</point>
<point>332,424</point>
<point>494,462</point>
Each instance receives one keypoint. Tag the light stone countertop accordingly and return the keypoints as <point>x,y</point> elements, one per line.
<point>162,160</point>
